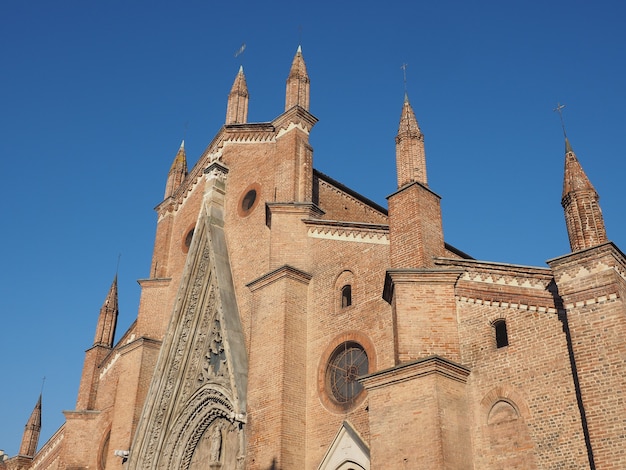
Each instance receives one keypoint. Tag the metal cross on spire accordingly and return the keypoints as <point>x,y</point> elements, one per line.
<point>240,50</point>
<point>117,268</point>
<point>403,67</point>
<point>559,109</point>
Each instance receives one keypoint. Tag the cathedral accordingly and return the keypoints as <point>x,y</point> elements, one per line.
<point>290,323</point>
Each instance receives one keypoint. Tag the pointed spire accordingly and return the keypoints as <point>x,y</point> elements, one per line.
<point>298,86</point>
<point>583,216</point>
<point>237,108</point>
<point>30,438</point>
<point>107,321</point>
<point>410,153</point>
<point>177,172</point>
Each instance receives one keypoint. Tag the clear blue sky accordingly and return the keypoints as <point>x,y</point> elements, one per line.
<point>95,98</point>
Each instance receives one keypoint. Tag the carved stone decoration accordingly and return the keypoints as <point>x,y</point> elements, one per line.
<point>192,437</point>
<point>347,451</point>
<point>215,364</point>
<point>194,414</point>
<point>218,447</point>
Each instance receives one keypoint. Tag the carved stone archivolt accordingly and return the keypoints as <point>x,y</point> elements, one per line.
<point>194,415</point>
<point>207,431</point>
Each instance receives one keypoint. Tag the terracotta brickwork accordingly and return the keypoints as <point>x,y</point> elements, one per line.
<point>416,231</point>
<point>290,323</point>
<point>592,286</point>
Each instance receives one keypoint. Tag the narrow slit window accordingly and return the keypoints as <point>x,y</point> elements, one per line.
<point>502,337</point>
<point>346,296</point>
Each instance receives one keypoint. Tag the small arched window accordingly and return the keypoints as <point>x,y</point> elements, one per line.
<point>346,296</point>
<point>187,240</point>
<point>502,337</point>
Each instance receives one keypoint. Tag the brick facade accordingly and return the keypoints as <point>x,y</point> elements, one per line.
<point>291,323</point>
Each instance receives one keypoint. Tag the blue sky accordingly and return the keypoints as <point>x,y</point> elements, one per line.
<point>95,98</point>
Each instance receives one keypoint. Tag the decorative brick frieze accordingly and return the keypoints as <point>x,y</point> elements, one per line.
<point>508,305</point>
<point>295,116</point>
<point>342,231</point>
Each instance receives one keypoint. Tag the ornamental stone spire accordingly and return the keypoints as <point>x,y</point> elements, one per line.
<point>298,86</point>
<point>410,153</point>
<point>237,109</point>
<point>583,216</point>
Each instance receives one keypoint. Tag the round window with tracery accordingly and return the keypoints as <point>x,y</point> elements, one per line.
<point>347,362</point>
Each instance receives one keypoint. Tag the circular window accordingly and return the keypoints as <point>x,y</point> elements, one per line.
<point>249,199</point>
<point>347,362</point>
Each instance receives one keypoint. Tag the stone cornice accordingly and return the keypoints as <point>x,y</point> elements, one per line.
<point>588,253</point>
<point>472,265</point>
<point>295,115</point>
<point>418,275</point>
<point>589,261</point>
<point>414,370</point>
<point>81,414</point>
<point>410,185</point>
<point>504,285</point>
<point>154,282</point>
<point>285,271</point>
<point>295,208</point>
<point>120,350</point>
<point>500,274</point>
<point>249,133</point>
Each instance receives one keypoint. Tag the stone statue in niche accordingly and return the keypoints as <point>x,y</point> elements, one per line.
<point>216,444</point>
<point>220,447</point>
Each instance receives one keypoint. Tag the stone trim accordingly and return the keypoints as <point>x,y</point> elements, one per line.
<point>500,273</point>
<point>414,183</point>
<point>277,274</point>
<point>296,115</point>
<point>294,208</point>
<point>124,349</point>
<point>81,414</point>
<point>154,282</point>
<point>418,275</point>
<point>348,447</point>
<point>52,445</point>
<point>416,369</point>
